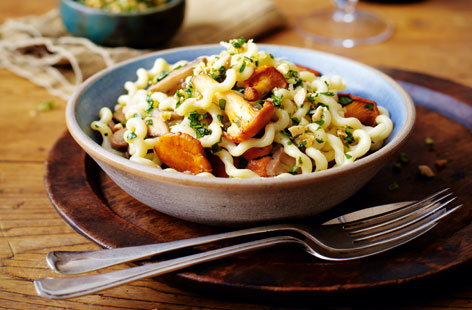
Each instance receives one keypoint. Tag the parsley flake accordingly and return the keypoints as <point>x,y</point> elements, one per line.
<point>345,100</point>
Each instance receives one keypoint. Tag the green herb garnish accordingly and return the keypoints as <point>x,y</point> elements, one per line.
<point>243,66</point>
<point>46,106</point>
<point>295,121</point>
<point>345,100</point>
<point>222,104</point>
<point>131,136</point>
<point>319,140</point>
<point>348,156</point>
<point>149,122</point>
<point>369,106</point>
<point>238,43</point>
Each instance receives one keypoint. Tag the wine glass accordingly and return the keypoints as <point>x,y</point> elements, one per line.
<point>344,26</point>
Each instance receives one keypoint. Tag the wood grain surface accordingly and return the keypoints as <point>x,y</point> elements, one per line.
<point>432,36</point>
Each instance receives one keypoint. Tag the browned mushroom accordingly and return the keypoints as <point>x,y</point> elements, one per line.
<point>182,152</point>
<point>280,162</point>
<point>119,116</point>
<point>156,126</point>
<point>262,81</point>
<point>117,140</point>
<point>257,152</point>
<point>172,82</point>
<point>245,120</point>
<point>363,109</point>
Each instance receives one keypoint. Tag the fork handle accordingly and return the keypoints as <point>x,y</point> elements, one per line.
<point>77,286</point>
<point>77,262</point>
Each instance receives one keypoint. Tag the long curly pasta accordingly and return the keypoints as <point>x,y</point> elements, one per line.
<point>311,123</point>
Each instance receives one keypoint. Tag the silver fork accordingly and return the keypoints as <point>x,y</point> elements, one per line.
<point>361,238</point>
<point>77,262</point>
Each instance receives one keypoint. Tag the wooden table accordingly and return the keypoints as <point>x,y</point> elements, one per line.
<point>432,36</point>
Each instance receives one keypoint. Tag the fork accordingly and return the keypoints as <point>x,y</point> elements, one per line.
<point>339,242</point>
<point>77,262</point>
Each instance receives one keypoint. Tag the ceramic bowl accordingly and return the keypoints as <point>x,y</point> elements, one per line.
<point>148,29</point>
<point>221,201</point>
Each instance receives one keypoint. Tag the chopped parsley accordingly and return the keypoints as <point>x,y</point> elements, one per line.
<point>162,76</point>
<point>218,74</point>
<point>349,138</point>
<point>286,133</point>
<point>46,106</point>
<point>311,98</point>
<point>320,122</point>
<point>323,105</point>
<point>289,142</point>
<point>345,100</point>
<point>131,136</point>
<point>271,56</point>
<point>294,170</point>
<point>300,161</point>
<point>295,120</point>
<point>348,156</point>
<point>243,66</point>
<point>403,158</point>
<point>238,43</point>
<point>215,148</point>
<point>393,186</point>
<point>369,106</point>
<point>149,122</point>
<point>293,77</point>
<point>238,89</point>
<point>195,119</point>
<point>327,93</point>
<point>222,104</point>
<point>150,103</point>
<point>302,144</point>
<point>319,140</point>
<point>220,118</point>
<point>276,100</point>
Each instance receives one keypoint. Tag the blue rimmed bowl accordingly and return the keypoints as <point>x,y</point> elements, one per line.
<point>148,29</point>
<point>221,201</point>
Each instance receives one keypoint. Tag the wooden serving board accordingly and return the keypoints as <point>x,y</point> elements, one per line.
<point>97,208</point>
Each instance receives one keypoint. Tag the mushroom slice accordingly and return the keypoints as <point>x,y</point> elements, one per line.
<point>172,82</point>
<point>363,109</point>
<point>245,120</point>
<point>117,140</point>
<point>259,165</point>
<point>119,116</point>
<point>280,163</point>
<point>262,81</point>
<point>157,126</point>
<point>182,152</point>
<point>303,68</point>
<point>257,152</point>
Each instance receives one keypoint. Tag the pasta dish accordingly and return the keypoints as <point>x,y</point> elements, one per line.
<point>241,114</point>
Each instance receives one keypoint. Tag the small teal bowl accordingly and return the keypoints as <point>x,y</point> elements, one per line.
<point>149,29</point>
<point>222,201</point>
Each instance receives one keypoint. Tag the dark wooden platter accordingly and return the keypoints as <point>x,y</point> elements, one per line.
<point>97,208</point>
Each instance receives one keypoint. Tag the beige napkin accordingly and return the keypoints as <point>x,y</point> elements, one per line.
<point>39,49</point>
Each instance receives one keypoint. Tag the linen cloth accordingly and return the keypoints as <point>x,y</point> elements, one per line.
<point>39,48</point>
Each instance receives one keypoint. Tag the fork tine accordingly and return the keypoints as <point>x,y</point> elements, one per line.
<point>395,214</point>
<point>385,246</point>
<point>405,218</point>
<point>411,229</point>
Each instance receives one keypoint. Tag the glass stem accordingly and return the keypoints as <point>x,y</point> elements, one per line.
<point>345,10</point>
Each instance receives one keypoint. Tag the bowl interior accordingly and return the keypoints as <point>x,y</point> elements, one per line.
<point>360,79</point>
